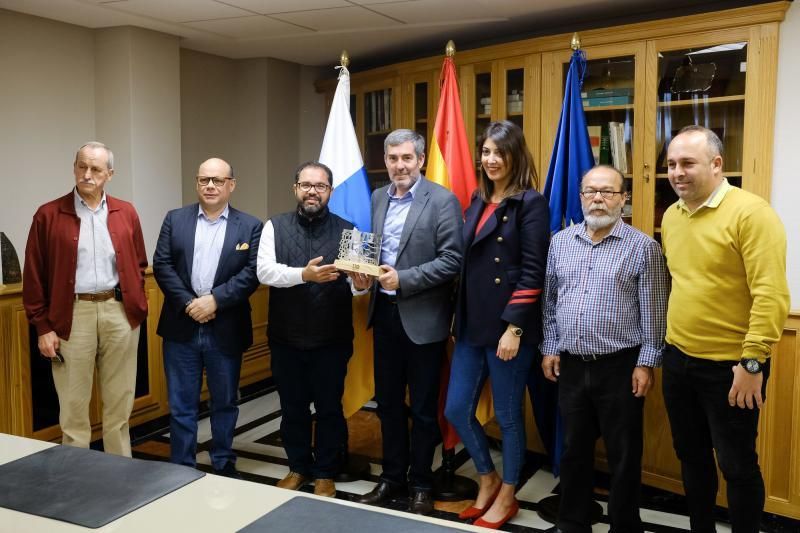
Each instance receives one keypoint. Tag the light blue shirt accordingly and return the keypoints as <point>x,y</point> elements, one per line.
<point>393,224</point>
<point>96,270</point>
<point>208,239</point>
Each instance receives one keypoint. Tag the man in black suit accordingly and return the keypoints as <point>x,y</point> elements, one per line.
<point>205,264</point>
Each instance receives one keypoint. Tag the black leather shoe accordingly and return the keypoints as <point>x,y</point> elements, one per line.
<point>381,493</point>
<point>553,529</point>
<point>229,470</point>
<point>421,502</point>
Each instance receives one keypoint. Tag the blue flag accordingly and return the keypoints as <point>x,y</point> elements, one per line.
<point>572,152</point>
<point>351,195</point>
<point>572,157</point>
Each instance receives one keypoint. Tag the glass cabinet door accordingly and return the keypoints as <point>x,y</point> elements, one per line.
<point>703,85</point>
<point>420,94</point>
<point>519,99</point>
<point>607,95</point>
<point>378,123</point>
<point>613,103</point>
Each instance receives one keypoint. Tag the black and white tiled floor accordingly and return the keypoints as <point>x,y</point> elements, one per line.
<point>262,459</point>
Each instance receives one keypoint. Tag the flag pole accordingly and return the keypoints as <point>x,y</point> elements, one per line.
<point>547,508</point>
<point>449,486</point>
<point>352,468</point>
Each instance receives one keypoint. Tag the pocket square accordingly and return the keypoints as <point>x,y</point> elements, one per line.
<point>243,246</point>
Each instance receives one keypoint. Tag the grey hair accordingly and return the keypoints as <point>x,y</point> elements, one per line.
<point>401,136</point>
<point>96,144</point>
<point>712,139</point>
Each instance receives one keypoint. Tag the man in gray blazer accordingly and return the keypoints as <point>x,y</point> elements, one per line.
<point>410,313</point>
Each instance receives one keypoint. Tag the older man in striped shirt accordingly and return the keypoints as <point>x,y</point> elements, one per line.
<point>606,292</point>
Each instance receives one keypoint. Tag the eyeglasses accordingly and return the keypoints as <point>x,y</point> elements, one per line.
<point>218,182</point>
<point>306,186</point>
<point>589,194</point>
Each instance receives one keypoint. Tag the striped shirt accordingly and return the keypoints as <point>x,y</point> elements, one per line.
<point>606,296</point>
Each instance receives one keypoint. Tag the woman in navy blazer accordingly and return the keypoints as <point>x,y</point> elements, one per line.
<point>498,323</point>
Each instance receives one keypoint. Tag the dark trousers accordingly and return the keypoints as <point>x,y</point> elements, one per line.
<point>400,362</point>
<point>702,421</point>
<point>595,399</point>
<point>311,376</point>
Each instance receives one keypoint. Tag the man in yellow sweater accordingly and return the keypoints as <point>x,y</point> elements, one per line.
<point>726,252</point>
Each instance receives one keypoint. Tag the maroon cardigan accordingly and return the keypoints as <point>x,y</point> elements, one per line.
<point>51,257</point>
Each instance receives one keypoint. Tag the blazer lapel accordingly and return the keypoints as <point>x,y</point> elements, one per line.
<point>191,213</point>
<point>421,198</point>
<point>380,212</point>
<point>229,245</point>
<point>471,217</point>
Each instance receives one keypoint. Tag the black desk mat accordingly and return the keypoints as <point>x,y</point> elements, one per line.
<point>314,516</point>
<point>86,487</point>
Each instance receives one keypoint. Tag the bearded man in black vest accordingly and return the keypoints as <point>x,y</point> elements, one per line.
<point>309,357</point>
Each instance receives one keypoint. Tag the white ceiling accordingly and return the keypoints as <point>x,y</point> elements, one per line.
<point>313,32</point>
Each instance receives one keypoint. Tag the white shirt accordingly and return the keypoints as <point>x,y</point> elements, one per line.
<point>269,271</point>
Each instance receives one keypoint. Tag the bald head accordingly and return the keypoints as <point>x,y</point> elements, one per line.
<point>215,167</point>
<point>215,183</point>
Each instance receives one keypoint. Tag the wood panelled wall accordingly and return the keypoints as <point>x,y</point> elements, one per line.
<point>778,444</point>
<point>17,404</point>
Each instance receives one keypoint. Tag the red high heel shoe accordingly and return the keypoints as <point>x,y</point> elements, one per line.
<point>475,512</point>
<point>480,522</point>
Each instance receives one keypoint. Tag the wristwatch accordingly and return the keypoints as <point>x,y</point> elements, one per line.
<point>752,366</point>
<point>517,332</point>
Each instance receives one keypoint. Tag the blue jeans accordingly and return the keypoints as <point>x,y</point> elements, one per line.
<point>470,367</point>
<point>183,366</point>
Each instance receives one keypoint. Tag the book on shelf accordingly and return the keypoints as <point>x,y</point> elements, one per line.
<point>602,92</point>
<point>619,155</point>
<point>387,109</point>
<point>605,146</point>
<point>373,112</point>
<point>594,141</point>
<point>607,100</point>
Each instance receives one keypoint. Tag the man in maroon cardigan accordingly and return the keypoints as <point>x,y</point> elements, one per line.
<point>83,291</point>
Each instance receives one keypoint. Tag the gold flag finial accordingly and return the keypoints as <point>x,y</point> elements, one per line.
<point>575,43</point>
<point>344,59</point>
<point>450,49</point>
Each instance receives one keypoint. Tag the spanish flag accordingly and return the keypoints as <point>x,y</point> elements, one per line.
<point>449,161</point>
<point>450,165</point>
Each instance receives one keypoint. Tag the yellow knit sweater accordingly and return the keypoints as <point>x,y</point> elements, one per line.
<point>729,298</point>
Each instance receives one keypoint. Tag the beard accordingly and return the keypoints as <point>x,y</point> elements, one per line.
<point>310,210</point>
<point>608,218</point>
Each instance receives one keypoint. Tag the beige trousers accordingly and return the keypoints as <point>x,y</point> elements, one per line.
<point>101,337</point>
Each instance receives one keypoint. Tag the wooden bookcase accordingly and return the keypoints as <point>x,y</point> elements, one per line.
<point>646,59</point>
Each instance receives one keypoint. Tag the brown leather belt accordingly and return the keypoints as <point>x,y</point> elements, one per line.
<point>95,296</point>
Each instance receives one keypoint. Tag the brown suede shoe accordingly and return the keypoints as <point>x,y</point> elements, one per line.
<point>325,487</point>
<point>292,481</point>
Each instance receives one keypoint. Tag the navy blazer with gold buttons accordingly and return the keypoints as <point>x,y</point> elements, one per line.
<point>502,275</point>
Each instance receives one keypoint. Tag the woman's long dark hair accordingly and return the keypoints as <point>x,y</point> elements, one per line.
<point>510,141</point>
